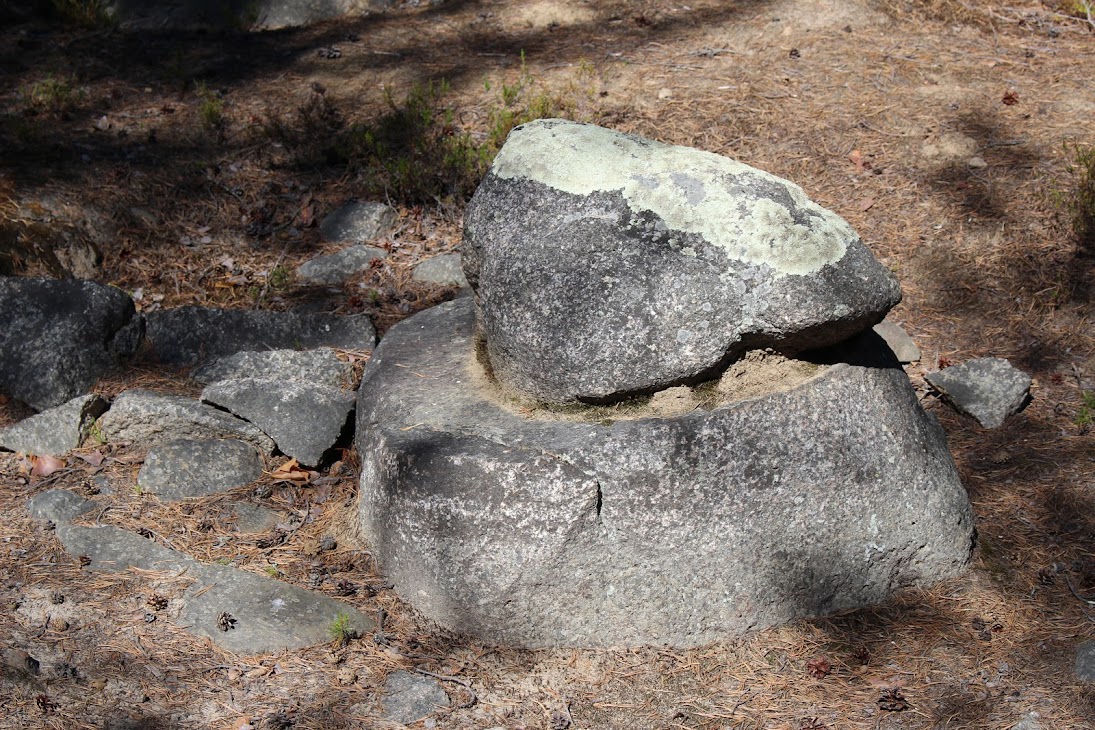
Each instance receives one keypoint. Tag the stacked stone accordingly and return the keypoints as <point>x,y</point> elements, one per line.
<point>516,483</point>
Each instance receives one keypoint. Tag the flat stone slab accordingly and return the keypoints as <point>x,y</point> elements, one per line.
<point>409,697</point>
<point>320,366</point>
<point>612,527</point>
<point>446,270</point>
<point>605,265</point>
<point>253,519</point>
<point>303,419</point>
<point>267,615</point>
<point>183,469</point>
<point>898,340</point>
<point>148,418</point>
<point>56,430</point>
<point>1085,661</point>
<point>190,335</point>
<point>989,388</point>
<point>358,222</point>
<point>60,337</point>
<point>336,268</point>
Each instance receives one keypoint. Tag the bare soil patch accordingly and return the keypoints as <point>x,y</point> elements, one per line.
<point>198,164</point>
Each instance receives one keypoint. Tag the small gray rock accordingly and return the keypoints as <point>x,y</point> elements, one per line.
<point>190,335</point>
<point>446,270</point>
<point>409,697</point>
<point>182,469</point>
<point>58,505</point>
<point>304,419</point>
<point>1085,661</point>
<point>898,340</point>
<point>56,430</point>
<point>320,366</point>
<point>606,265</point>
<point>335,268</point>
<point>989,388</point>
<point>358,222</point>
<point>59,337</point>
<point>149,418</point>
<point>1029,722</point>
<point>254,518</point>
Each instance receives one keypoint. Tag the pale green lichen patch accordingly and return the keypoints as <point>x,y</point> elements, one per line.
<point>754,216</point>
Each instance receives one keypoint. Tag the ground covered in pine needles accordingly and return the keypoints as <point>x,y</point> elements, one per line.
<point>951,134</point>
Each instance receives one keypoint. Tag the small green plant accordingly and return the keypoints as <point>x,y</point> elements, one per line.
<point>279,277</point>
<point>53,94</point>
<point>95,433</point>
<point>272,571</point>
<point>85,13</point>
<point>1079,201</point>
<point>210,108</point>
<point>1085,417</point>
<point>341,629</point>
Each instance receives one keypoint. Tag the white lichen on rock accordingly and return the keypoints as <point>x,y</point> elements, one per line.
<point>716,198</point>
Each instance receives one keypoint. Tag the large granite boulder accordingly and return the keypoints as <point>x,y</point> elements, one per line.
<point>59,337</point>
<point>609,526</point>
<point>190,335</point>
<point>54,431</point>
<point>148,419</point>
<point>605,264</point>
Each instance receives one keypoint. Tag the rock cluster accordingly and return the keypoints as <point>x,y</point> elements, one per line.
<point>584,454</point>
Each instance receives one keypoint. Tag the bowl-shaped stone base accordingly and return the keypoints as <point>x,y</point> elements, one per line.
<point>677,530</point>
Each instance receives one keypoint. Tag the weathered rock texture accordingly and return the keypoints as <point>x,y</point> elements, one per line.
<point>194,468</point>
<point>989,388</point>
<point>234,14</point>
<point>59,337</point>
<point>191,335</point>
<point>446,270</point>
<point>358,222</point>
<point>678,530</point>
<point>605,264</point>
<point>56,430</point>
<point>304,419</point>
<point>336,268</point>
<point>320,366</point>
<point>150,418</point>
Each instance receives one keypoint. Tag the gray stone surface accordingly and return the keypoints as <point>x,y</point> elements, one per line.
<point>989,388</point>
<point>898,340</point>
<point>605,264</point>
<point>335,268</point>
<point>304,419</point>
<point>182,469</point>
<point>320,366</point>
<point>446,270</point>
<point>409,697</point>
<point>56,430</point>
<point>254,518</point>
<point>59,337</point>
<point>358,222</point>
<point>148,418</point>
<point>1085,661</point>
<point>269,615</point>
<point>679,530</point>
<point>190,335</point>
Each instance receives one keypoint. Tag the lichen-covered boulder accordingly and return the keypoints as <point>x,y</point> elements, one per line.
<point>811,488</point>
<point>605,264</point>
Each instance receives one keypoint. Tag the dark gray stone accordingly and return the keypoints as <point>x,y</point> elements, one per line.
<point>898,340</point>
<point>446,270</point>
<point>269,615</point>
<point>58,505</point>
<point>59,337</point>
<point>989,388</point>
<point>182,469</point>
<point>409,697</point>
<point>234,14</point>
<point>304,419</point>
<point>358,222</point>
<point>679,530</point>
<point>254,518</point>
<point>605,264</point>
<point>320,366</point>
<point>147,418</point>
<point>336,268</point>
<point>1085,661</point>
<point>189,335</point>
<point>56,430</point>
